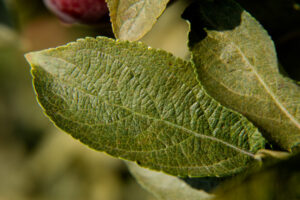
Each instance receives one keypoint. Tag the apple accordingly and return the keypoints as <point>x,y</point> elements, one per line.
<point>78,11</point>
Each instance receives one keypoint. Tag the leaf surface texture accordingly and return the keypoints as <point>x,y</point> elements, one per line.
<point>143,105</point>
<point>132,19</point>
<point>236,63</point>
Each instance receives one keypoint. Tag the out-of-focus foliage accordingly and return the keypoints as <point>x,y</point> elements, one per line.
<point>277,182</point>
<point>21,12</point>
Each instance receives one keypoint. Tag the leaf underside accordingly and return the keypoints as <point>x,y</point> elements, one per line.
<point>132,19</point>
<point>143,105</point>
<point>166,187</point>
<point>236,63</point>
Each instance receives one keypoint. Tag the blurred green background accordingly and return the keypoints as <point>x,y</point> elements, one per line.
<point>38,161</point>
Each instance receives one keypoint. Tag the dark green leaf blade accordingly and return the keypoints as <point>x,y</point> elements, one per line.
<point>141,104</point>
<point>132,19</point>
<point>236,62</point>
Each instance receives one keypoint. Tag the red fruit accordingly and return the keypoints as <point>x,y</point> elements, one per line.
<point>81,11</point>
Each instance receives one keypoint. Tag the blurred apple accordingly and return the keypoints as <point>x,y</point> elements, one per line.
<point>78,11</point>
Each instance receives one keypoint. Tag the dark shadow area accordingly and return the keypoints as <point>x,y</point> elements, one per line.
<point>202,15</point>
<point>30,136</point>
<point>4,17</point>
<point>207,184</point>
<point>278,181</point>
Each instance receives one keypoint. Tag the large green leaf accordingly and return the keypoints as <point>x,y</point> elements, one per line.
<point>141,104</point>
<point>132,19</point>
<point>277,182</point>
<point>166,187</point>
<point>236,62</point>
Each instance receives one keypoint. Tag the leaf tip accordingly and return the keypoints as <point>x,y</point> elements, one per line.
<point>28,57</point>
<point>32,58</point>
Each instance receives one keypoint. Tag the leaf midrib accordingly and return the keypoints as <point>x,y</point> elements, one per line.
<point>266,87</point>
<point>268,90</point>
<point>132,21</point>
<point>150,117</point>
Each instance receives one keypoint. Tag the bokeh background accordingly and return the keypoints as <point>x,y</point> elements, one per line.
<point>38,161</point>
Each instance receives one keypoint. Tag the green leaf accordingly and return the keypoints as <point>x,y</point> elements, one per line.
<point>277,182</point>
<point>165,187</point>
<point>132,19</point>
<point>236,62</point>
<point>143,105</point>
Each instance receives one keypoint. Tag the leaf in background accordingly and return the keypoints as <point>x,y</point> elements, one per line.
<point>143,105</point>
<point>165,187</point>
<point>132,19</point>
<point>278,182</point>
<point>236,62</point>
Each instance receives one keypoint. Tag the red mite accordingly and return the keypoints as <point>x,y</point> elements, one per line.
<point>78,11</point>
